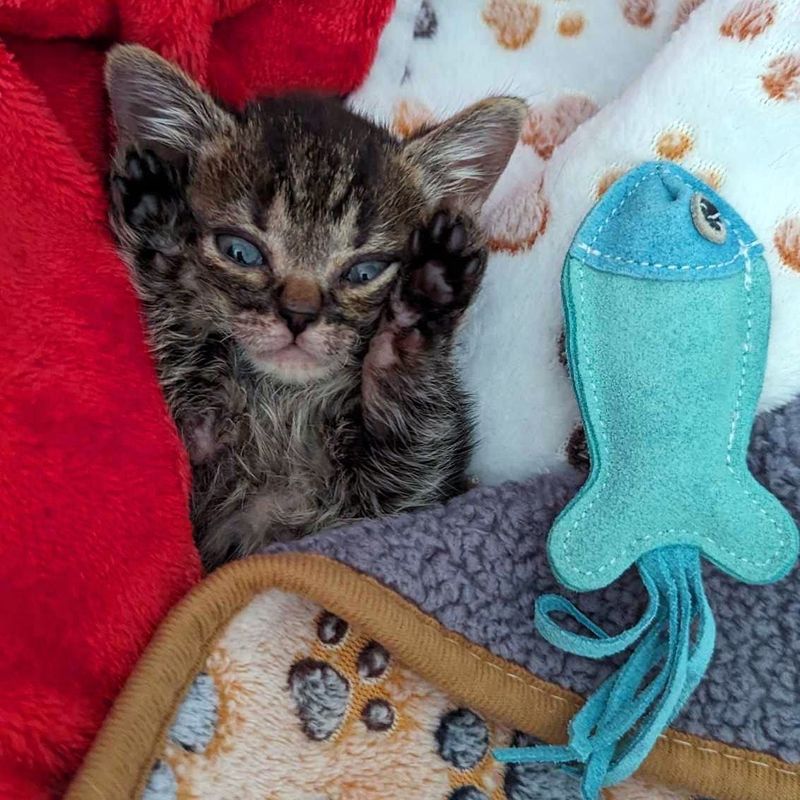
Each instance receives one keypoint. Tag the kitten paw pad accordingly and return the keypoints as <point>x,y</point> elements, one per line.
<point>445,268</point>
<point>145,190</point>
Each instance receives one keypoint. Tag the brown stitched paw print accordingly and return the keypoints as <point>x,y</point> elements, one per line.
<point>444,271</point>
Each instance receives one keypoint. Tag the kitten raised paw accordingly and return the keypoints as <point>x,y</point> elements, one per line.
<point>145,193</point>
<point>445,269</point>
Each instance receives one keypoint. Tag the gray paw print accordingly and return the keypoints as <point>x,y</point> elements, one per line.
<point>322,695</point>
<point>192,729</point>
<point>538,781</point>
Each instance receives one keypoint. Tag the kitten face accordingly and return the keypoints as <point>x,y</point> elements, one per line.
<point>288,223</point>
<point>299,238</point>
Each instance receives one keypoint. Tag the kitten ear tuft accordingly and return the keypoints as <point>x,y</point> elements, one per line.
<point>155,104</point>
<point>464,156</point>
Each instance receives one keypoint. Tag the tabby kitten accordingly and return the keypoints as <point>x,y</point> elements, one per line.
<point>302,274</point>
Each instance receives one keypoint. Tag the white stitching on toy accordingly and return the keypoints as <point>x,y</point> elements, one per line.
<point>748,285</point>
<point>655,264</point>
<point>590,248</point>
<point>744,250</point>
<point>618,207</point>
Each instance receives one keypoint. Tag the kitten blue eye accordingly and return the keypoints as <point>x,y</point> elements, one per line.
<point>239,250</point>
<point>365,271</point>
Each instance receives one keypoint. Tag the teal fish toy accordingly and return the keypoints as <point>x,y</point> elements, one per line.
<point>667,303</point>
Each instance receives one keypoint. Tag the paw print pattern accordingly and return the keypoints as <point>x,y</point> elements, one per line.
<point>685,9</point>
<point>748,19</point>
<point>410,117</point>
<point>321,696</point>
<point>674,144</point>
<point>787,242</point>
<point>464,740</point>
<point>197,717</point>
<point>341,683</point>
<point>514,22</point>
<point>549,125</point>
<point>378,715</point>
<point>324,698</point>
<point>331,629</point>
<point>192,731</point>
<point>639,13</point>
<point>426,23</point>
<point>373,661</point>
<point>162,784</point>
<point>781,81</point>
<point>537,781</point>
<point>515,224</point>
<point>571,24</point>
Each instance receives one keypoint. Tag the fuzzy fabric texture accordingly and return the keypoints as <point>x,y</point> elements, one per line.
<point>477,565</point>
<point>711,85</point>
<point>95,543</point>
<point>294,703</point>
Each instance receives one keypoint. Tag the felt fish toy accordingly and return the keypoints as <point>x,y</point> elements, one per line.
<point>667,303</point>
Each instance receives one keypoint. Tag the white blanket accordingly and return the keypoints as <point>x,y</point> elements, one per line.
<point>714,86</point>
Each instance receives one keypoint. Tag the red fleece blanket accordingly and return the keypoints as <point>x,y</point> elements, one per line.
<point>95,543</point>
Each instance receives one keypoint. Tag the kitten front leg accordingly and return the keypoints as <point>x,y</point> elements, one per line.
<point>445,269</point>
<point>415,412</point>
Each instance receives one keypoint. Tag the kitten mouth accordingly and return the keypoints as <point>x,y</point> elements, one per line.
<point>290,363</point>
<point>293,354</point>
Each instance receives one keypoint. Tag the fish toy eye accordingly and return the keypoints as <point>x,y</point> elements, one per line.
<point>708,220</point>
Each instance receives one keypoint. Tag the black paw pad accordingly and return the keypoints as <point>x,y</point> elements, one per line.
<point>426,23</point>
<point>378,715</point>
<point>331,629</point>
<point>463,738</point>
<point>373,661</point>
<point>320,695</point>
<point>445,268</point>
<point>146,190</point>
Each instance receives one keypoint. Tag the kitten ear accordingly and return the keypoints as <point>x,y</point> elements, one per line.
<point>464,156</point>
<point>156,104</point>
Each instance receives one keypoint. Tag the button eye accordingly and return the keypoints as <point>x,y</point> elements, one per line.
<point>708,220</point>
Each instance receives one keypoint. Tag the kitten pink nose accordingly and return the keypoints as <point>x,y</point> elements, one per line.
<point>299,303</point>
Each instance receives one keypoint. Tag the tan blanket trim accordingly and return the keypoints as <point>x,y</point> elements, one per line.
<point>120,760</point>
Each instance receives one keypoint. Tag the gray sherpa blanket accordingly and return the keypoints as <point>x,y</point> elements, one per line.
<point>386,659</point>
<point>478,564</point>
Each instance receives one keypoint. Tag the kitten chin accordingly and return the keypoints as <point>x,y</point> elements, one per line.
<point>291,365</point>
<point>302,273</point>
